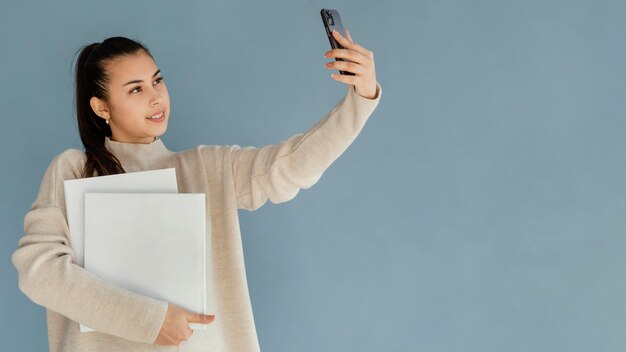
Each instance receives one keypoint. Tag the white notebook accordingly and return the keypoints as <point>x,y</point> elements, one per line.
<point>157,181</point>
<point>153,244</point>
<point>154,181</point>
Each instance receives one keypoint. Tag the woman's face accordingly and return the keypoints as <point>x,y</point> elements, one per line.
<point>136,91</point>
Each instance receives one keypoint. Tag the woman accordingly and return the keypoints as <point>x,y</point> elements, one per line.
<point>123,108</point>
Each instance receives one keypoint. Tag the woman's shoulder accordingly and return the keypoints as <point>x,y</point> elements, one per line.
<point>69,163</point>
<point>66,165</point>
<point>71,156</point>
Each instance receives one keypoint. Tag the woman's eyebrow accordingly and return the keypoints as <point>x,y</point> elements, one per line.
<point>140,80</point>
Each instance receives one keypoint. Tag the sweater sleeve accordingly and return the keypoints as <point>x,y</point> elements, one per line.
<point>277,172</point>
<point>48,276</point>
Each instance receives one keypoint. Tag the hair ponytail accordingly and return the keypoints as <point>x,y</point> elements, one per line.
<point>91,81</point>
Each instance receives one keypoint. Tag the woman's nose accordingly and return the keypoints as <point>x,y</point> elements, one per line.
<point>157,99</point>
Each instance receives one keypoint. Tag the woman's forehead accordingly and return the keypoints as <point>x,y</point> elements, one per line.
<point>138,66</point>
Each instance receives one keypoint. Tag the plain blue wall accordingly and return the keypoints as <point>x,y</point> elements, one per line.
<point>482,208</point>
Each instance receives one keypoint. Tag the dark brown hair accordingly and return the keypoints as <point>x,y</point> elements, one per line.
<point>91,81</point>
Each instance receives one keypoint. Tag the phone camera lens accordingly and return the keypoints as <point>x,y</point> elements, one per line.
<point>331,21</point>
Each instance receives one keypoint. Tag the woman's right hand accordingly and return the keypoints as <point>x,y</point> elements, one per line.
<point>175,329</point>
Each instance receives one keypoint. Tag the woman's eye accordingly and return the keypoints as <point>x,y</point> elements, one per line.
<point>158,80</point>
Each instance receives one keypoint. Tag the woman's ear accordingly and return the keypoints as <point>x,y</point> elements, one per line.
<point>100,107</point>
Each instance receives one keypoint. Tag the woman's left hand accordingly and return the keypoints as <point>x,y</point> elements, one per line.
<point>360,62</point>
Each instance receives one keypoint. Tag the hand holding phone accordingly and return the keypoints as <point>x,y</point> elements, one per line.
<point>354,62</point>
<point>332,21</point>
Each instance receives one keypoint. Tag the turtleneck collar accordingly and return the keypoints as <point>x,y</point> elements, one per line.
<point>136,155</point>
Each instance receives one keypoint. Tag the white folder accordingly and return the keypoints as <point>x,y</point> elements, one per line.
<point>157,181</point>
<point>153,244</point>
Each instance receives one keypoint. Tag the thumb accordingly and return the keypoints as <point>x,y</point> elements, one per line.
<point>348,35</point>
<point>200,318</point>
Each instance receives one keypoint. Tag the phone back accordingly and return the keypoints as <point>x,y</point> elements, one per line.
<point>332,20</point>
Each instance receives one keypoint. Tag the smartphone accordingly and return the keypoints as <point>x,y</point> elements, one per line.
<point>332,21</point>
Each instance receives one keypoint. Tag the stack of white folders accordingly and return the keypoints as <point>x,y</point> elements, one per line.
<point>135,231</point>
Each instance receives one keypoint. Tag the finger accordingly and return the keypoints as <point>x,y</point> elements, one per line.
<point>349,55</point>
<point>349,36</point>
<point>209,319</point>
<point>346,66</point>
<point>200,318</point>
<point>350,45</point>
<point>341,39</point>
<point>344,78</point>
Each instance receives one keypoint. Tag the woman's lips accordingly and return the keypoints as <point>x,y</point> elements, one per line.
<point>160,117</point>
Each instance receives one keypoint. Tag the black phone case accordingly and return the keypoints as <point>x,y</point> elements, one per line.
<point>332,20</point>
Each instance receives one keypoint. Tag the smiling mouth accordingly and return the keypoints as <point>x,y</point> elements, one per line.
<point>157,116</point>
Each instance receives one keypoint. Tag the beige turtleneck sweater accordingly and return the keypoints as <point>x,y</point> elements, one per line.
<point>232,178</point>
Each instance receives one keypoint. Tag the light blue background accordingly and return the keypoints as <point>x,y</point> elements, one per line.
<point>482,208</point>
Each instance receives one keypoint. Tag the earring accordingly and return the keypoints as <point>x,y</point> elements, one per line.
<point>107,120</point>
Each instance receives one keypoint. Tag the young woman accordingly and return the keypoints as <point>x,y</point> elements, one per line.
<point>123,108</point>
